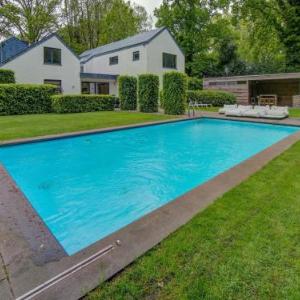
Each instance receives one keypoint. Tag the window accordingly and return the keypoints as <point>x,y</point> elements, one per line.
<point>54,82</point>
<point>169,61</point>
<point>103,88</point>
<point>81,68</point>
<point>136,55</point>
<point>52,56</point>
<point>114,60</point>
<point>85,88</point>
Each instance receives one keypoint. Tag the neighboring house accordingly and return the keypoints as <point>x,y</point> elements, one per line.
<point>47,61</point>
<point>153,51</point>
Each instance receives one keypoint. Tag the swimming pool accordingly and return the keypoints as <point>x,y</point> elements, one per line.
<point>87,187</point>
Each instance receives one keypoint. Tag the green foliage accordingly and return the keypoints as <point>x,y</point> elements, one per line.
<point>215,98</point>
<point>31,20</point>
<point>128,92</point>
<point>148,92</point>
<point>7,76</point>
<point>18,99</point>
<point>161,98</point>
<point>89,24</point>
<point>289,31</point>
<point>235,37</point>
<point>195,84</point>
<point>174,93</point>
<point>82,103</point>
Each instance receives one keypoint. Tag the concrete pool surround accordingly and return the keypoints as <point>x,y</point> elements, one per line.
<point>33,265</point>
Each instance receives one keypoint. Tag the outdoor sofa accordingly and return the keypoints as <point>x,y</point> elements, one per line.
<point>273,112</point>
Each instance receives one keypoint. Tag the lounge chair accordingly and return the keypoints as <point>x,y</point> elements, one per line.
<point>227,107</point>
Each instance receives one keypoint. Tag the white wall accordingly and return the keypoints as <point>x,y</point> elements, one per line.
<point>163,43</point>
<point>30,68</point>
<point>151,60</point>
<point>126,66</point>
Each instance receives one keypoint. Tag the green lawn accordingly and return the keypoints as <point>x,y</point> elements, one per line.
<point>13,127</point>
<point>294,112</point>
<point>244,246</point>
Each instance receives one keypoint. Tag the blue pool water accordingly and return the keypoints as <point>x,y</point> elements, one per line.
<point>87,187</point>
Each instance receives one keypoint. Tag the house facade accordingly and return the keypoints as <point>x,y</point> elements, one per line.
<point>95,71</point>
<point>47,61</point>
<point>154,52</point>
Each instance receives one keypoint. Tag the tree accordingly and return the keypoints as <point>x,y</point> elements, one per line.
<point>123,20</point>
<point>30,19</point>
<point>289,31</point>
<point>90,23</point>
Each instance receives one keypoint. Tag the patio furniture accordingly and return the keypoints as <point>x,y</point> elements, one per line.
<point>227,107</point>
<point>267,100</point>
<point>274,112</point>
<point>239,111</point>
<point>196,104</point>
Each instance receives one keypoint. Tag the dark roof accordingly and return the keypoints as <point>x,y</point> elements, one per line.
<point>29,47</point>
<point>11,47</point>
<point>98,76</point>
<point>141,38</point>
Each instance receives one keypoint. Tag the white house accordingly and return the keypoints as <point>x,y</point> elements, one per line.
<point>153,51</point>
<point>94,71</point>
<point>47,61</point>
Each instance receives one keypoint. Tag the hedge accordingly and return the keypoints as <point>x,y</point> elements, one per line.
<point>7,76</point>
<point>174,93</point>
<point>195,84</point>
<point>127,92</point>
<point>215,98</point>
<point>82,103</point>
<point>18,99</point>
<point>148,92</point>
<point>161,98</point>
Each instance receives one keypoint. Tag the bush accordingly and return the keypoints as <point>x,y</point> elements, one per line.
<point>195,84</point>
<point>148,92</point>
<point>7,76</point>
<point>215,98</point>
<point>82,103</point>
<point>174,93</point>
<point>18,99</point>
<point>161,98</point>
<point>128,92</point>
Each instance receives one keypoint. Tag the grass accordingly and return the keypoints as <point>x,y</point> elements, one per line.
<point>13,127</point>
<point>244,246</point>
<point>294,112</point>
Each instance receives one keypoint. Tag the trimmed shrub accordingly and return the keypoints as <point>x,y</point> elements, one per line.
<point>18,99</point>
<point>7,76</point>
<point>161,98</point>
<point>195,84</point>
<point>128,92</point>
<point>215,98</point>
<point>82,103</point>
<point>174,93</point>
<point>148,92</point>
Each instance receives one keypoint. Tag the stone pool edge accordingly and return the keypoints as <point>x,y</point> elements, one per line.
<point>24,270</point>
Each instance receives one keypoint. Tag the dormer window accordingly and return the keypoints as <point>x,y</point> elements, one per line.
<point>136,55</point>
<point>52,56</point>
<point>114,60</point>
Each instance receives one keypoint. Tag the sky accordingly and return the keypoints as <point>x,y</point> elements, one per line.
<point>150,5</point>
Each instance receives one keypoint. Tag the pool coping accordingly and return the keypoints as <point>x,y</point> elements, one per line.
<point>27,263</point>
